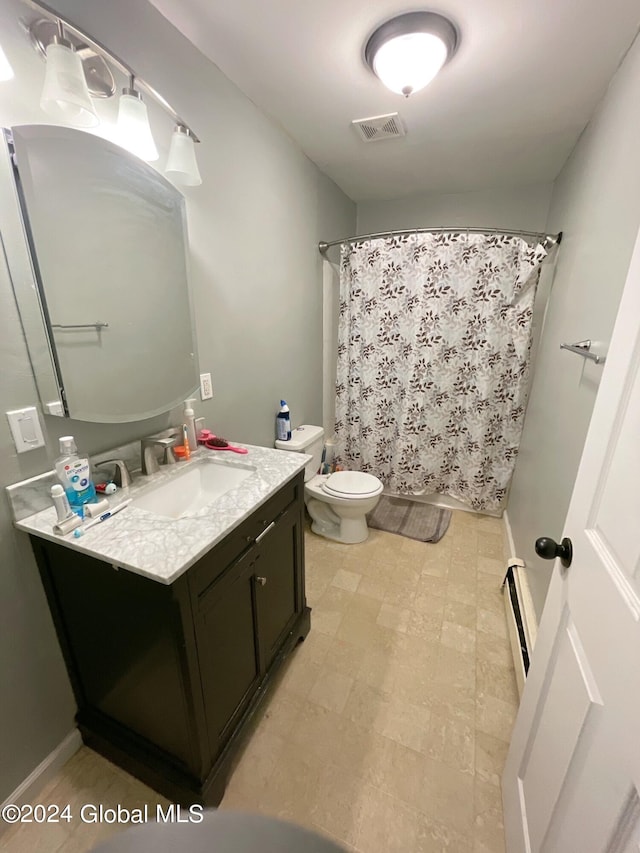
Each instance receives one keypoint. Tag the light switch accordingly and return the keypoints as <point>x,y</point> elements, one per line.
<point>26,429</point>
<point>206,388</point>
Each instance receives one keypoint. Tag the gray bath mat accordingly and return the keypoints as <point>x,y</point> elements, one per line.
<point>409,518</point>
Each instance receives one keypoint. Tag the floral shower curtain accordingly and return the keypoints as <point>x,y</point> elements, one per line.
<point>433,361</point>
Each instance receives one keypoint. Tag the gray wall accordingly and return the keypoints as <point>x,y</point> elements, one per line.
<point>254,227</point>
<point>596,203</point>
<point>37,707</point>
<point>522,208</point>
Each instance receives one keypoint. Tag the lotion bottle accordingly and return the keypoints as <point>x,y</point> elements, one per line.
<point>190,423</point>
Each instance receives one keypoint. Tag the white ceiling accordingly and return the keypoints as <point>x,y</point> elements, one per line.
<point>506,111</point>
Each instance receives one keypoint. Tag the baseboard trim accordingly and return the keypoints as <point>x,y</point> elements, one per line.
<point>46,770</point>
<point>509,532</point>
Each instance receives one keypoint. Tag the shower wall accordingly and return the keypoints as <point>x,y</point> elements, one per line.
<point>522,208</point>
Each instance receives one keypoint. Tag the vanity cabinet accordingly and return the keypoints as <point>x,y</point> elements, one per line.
<point>168,677</point>
<point>242,620</point>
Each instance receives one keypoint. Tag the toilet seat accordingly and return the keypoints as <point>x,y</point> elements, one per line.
<point>352,484</point>
<point>339,512</point>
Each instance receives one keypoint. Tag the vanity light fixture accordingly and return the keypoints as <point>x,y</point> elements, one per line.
<point>6,71</point>
<point>407,52</point>
<point>65,95</point>
<point>79,67</point>
<point>182,166</point>
<point>133,130</point>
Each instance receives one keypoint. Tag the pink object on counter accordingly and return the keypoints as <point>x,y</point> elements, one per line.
<point>215,443</point>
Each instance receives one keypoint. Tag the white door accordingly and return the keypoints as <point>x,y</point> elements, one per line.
<point>572,778</point>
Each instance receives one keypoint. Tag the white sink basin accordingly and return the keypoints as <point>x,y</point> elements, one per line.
<point>192,489</point>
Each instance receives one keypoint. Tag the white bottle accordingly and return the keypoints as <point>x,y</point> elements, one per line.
<point>283,422</point>
<point>61,502</point>
<point>190,422</point>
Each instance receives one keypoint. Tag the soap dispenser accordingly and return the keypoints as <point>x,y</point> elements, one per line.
<point>190,423</point>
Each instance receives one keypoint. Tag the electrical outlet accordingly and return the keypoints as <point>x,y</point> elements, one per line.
<point>206,389</point>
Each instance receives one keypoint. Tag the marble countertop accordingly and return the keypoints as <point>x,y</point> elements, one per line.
<point>163,548</point>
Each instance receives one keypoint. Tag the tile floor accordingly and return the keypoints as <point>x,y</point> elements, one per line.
<point>389,726</point>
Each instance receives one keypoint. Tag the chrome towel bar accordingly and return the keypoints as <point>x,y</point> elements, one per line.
<point>97,325</point>
<point>583,348</point>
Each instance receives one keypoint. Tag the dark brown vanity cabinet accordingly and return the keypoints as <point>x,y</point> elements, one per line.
<point>167,677</point>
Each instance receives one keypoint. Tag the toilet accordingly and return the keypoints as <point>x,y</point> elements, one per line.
<point>337,503</point>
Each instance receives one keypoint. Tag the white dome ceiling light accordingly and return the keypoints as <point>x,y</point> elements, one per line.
<point>407,52</point>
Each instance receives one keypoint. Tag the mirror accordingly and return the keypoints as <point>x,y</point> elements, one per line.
<point>96,245</point>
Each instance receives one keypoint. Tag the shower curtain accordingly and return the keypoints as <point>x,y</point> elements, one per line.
<point>433,361</point>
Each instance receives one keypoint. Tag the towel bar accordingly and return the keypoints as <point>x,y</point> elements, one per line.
<point>97,325</point>
<point>582,348</point>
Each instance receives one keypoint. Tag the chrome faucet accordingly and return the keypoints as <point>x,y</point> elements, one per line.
<point>121,475</point>
<point>167,441</point>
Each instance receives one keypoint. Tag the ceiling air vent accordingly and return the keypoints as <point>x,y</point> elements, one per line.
<point>379,127</point>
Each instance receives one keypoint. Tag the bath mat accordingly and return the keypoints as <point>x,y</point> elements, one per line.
<point>409,518</point>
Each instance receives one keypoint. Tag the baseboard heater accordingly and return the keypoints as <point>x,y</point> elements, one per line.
<point>521,618</point>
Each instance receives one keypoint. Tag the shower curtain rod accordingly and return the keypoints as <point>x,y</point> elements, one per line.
<point>548,240</point>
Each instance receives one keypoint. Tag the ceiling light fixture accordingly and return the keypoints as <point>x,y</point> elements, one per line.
<point>407,52</point>
<point>182,166</point>
<point>133,130</point>
<point>65,95</point>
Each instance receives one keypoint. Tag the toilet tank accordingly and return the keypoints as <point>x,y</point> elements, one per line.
<point>306,439</point>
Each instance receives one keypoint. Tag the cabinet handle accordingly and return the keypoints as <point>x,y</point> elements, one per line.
<point>265,531</point>
<point>261,581</point>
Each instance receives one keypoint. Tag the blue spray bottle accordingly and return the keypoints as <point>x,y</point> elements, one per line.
<point>283,422</point>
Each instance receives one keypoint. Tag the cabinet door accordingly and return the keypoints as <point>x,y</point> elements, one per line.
<point>228,648</point>
<point>279,587</point>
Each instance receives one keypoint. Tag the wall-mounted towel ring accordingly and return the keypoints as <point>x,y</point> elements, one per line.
<point>583,348</point>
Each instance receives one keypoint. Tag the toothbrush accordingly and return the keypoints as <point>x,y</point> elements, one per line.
<point>185,441</point>
<point>101,518</point>
<point>215,443</point>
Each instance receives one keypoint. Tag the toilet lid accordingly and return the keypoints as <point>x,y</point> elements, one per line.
<point>354,483</point>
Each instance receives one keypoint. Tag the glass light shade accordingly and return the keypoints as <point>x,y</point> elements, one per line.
<point>65,96</point>
<point>6,71</point>
<point>406,64</point>
<point>133,131</point>
<point>182,166</point>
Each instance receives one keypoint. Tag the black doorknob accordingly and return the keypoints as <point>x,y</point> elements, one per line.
<point>549,549</point>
